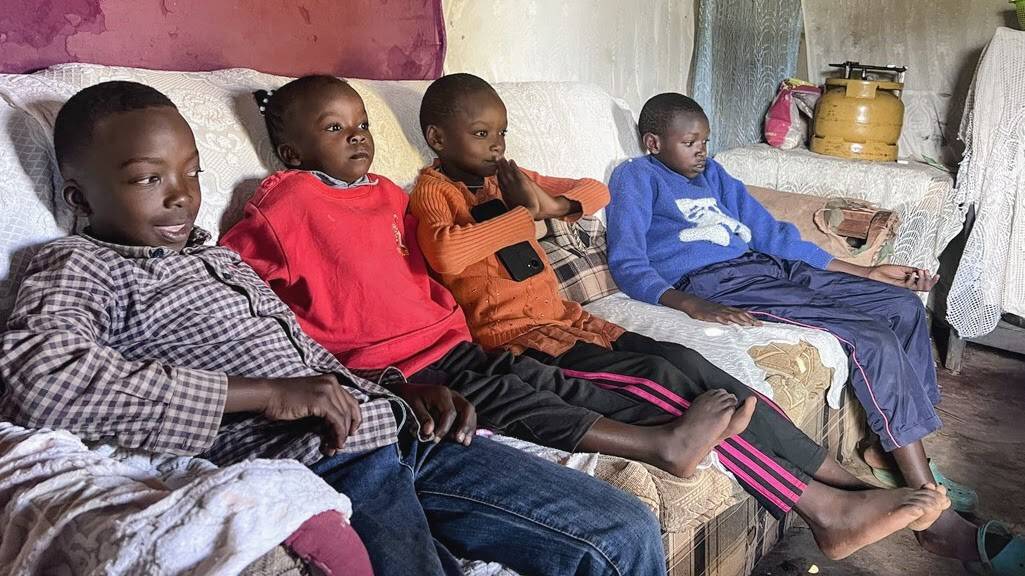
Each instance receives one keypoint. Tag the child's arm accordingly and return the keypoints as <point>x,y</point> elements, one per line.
<point>59,371</point>
<point>318,396</point>
<point>768,235</point>
<point>629,218</point>
<point>784,240</point>
<point>918,279</point>
<point>701,309</point>
<point>448,247</point>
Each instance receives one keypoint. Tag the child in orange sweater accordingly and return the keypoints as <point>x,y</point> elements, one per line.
<point>484,257</point>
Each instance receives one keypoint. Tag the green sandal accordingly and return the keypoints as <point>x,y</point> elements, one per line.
<point>887,478</point>
<point>962,498</point>
<point>1008,562</point>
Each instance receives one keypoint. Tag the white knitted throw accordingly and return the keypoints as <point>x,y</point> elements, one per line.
<point>991,276</point>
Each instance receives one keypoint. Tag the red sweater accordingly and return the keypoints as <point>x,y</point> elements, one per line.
<point>347,262</point>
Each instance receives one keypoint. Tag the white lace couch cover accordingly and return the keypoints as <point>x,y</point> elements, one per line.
<point>720,344</point>
<point>569,129</point>
<point>923,196</point>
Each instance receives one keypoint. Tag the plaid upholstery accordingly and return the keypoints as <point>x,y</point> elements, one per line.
<point>577,252</point>
<point>136,343</point>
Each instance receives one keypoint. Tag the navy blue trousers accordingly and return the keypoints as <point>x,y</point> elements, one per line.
<point>882,327</point>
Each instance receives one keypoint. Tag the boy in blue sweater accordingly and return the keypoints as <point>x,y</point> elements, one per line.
<point>685,234</point>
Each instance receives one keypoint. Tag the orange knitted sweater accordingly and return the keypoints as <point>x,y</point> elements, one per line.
<point>501,312</point>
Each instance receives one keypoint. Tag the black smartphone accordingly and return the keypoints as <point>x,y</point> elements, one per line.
<point>520,260</point>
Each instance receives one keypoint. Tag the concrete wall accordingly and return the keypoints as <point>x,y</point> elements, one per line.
<point>632,49</point>
<point>635,49</point>
<point>938,40</point>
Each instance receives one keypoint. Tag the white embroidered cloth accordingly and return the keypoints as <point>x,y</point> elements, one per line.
<point>70,510</point>
<point>991,276</point>
<point>720,344</point>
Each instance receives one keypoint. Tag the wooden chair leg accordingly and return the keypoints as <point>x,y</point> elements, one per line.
<point>955,351</point>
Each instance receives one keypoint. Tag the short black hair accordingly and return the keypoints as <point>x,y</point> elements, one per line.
<point>275,105</point>
<point>73,129</point>
<point>443,96</point>
<point>660,110</point>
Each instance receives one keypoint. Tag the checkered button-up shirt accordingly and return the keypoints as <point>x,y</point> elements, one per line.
<point>136,344</point>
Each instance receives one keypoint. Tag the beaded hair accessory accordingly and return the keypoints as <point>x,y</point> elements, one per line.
<point>262,97</point>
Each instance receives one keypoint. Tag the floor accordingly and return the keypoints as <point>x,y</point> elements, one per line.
<point>981,444</point>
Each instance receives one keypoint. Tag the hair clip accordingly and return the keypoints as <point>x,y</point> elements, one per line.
<point>263,99</point>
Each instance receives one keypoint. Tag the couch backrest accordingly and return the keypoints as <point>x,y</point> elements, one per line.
<point>566,129</point>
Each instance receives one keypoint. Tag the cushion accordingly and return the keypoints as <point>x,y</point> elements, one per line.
<point>679,503</point>
<point>577,251</point>
<point>277,562</point>
<point>796,374</point>
<point>328,542</point>
<point>820,220</point>
<point>28,215</point>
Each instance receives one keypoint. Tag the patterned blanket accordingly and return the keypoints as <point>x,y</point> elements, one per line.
<point>68,509</point>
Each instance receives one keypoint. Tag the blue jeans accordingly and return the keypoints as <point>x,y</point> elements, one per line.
<point>418,508</point>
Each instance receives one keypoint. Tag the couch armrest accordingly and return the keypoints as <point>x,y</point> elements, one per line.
<point>926,227</point>
<point>921,195</point>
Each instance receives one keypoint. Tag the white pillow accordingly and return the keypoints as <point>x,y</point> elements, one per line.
<point>27,203</point>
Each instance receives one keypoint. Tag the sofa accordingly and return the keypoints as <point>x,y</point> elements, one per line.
<point>567,129</point>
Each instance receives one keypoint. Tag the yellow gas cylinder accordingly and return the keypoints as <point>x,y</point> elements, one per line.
<point>859,118</point>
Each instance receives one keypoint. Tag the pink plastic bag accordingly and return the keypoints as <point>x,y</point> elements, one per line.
<point>785,123</point>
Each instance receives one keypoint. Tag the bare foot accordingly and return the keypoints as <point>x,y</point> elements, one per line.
<point>849,521</point>
<point>684,442</point>
<point>930,516</point>
<point>951,536</point>
<point>741,418</point>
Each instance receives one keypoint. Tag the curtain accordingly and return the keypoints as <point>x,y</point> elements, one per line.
<point>743,49</point>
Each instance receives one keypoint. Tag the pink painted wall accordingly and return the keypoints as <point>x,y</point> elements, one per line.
<point>378,39</point>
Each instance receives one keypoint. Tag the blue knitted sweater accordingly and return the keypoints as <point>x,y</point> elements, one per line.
<point>662,225</point>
